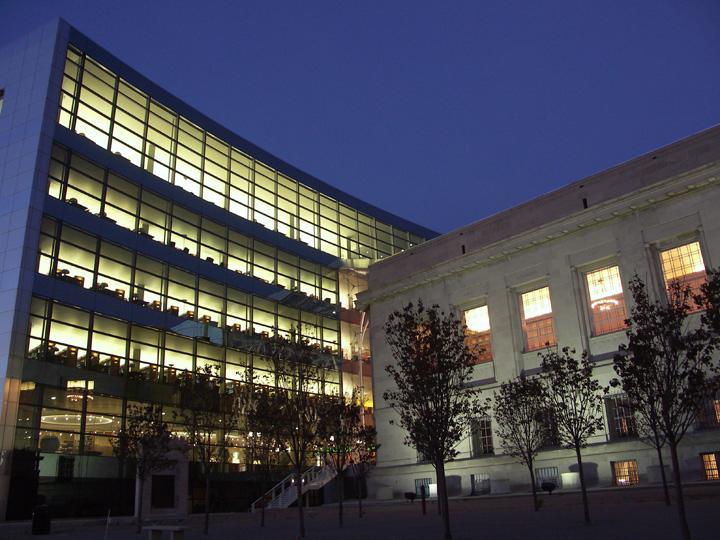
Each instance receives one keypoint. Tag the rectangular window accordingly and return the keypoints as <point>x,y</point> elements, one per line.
<point>537,319</point>
<point>477,335</point>
<point>2,98</point>
<point>422,482</point>
<point>481,436</point>
<point>621,421</point>
<point>709,415</point>
<point>684,265</point>
<point>625,473</point>
<point>607,305</point>
<point>710,465</point>
<point>552,435</point>
<point>547,474</point>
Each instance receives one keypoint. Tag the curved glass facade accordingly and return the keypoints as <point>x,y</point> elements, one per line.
<point>100,105</point>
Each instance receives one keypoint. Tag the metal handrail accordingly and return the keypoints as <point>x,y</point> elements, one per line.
<point>286,483</point>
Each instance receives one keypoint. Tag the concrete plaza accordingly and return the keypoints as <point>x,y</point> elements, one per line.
<point>636,513</point>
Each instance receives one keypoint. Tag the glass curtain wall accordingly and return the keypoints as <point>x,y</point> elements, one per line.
<point>109,111</point>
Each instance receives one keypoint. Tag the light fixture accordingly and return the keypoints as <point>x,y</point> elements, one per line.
<point>78,389</point>
<point>75,419</point>
<point>604,304</point>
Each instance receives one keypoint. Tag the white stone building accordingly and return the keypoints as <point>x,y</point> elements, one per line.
<point>556,269</point>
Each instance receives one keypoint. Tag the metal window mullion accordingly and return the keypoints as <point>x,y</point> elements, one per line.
<point>112,112</point>
<point>78,87</point>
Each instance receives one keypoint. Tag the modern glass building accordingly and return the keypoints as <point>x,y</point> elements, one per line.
<point>141,241</point>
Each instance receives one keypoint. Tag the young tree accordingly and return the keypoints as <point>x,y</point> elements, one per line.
<point>431,396</point>
<point>645,405</point>
<point>519,408</point>
<point>340,427</point>
<point>669,357</point>
<point>261,418</point>
<point>145,439</point>
<point>209,416</point>
<point>299,376</point>
<point>363,458</point>
<point>575,399</point>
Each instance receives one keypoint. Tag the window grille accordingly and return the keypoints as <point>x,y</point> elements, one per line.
<point>683,264</point>
<point>625,473</point>
<point>621,420</point>
<point>481,438</point>
<point>710,465</point>
<point>547,474</point>
<point>419,482</point>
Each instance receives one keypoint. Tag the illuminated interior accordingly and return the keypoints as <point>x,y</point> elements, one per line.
<point>684,264</point>
<point>171,147</point>
<point>76,180</point>
<point>607,304</point>
<point>626,473</point>
<point>477,334</point>
<point>538,325</point>
<point>710,466</point>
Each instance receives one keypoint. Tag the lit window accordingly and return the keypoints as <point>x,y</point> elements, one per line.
<point>710,465</point>
<point>607,305</point>
<point>477,335</point>
<point>537,320</point>
<point>625,473</point>
<point>481,436</point>
<point>684,264</point>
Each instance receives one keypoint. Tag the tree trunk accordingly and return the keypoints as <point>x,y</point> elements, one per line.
<point>138,525</point>
<point>301,516</point>
<point>358,492</point>
<point>263,501</point>
<point>340,486</point>
<point>536,506</point>
<point>662,474</point>
<point>207,503</point>
<point>586,507</point>
<point>443,497</point>
<point>684,528</point>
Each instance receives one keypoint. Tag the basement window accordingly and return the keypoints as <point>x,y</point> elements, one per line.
<point>625,473</point>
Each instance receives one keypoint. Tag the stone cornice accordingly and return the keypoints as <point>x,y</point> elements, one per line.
<point>704,177</point>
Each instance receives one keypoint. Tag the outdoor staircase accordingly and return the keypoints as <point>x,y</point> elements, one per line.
<point>284,493</point>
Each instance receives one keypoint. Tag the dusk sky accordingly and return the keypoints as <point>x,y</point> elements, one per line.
<point>441,112</point>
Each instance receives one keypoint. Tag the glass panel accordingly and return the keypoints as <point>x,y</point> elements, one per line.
<point>537,319</point>
<point>478,336</point>
<point>607,305</point>
<point>684,264</point>
<point>171,147</point>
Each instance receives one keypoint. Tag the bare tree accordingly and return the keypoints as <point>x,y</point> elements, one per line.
<point>340,427</point>
<point>434,403</point>
<point>363,458</point>
<point>667,366</point>
<point>261,419</point>
<point>520,409</point>
<point>575,398</point>
<point>299,378</point>
<point>210,417</point>
<point>145,439</point>
<point>645,407</point>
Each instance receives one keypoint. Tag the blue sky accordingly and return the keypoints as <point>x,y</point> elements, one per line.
<point>441,112</point>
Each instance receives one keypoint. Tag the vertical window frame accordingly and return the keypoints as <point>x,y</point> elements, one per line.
<point>593,326</point>
<point>527,346</point>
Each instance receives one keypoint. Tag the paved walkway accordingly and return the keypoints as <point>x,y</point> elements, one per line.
<point>618,514</point>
